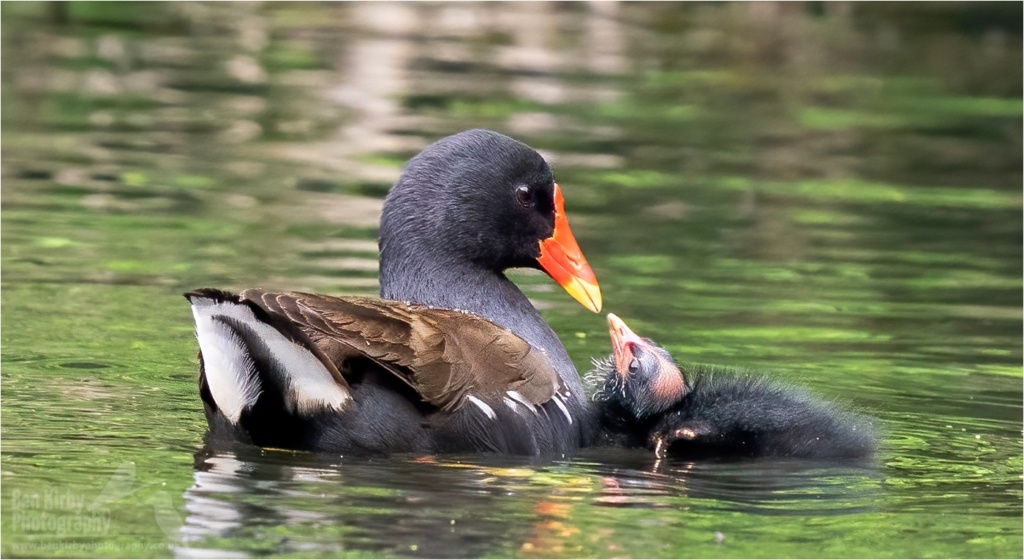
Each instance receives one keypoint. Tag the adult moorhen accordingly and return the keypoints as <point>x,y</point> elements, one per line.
<point>455,358</point>
<point>645,400</point>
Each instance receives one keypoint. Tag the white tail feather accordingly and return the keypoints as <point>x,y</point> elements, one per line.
<point>231,372</point>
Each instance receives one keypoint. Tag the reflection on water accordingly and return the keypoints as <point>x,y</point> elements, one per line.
<point>829,190</point>
<point>475,506</point>
<point>398,507</point>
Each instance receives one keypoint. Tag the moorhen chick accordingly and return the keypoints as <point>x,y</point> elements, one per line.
<point>453,359</point>
<point>646,400</point>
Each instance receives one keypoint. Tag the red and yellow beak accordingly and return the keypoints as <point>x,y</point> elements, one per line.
<point>561,258</point>
<point>623,341</point>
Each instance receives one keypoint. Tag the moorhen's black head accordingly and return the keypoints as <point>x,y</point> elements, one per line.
<point>483,200</point>
<point>640,376</point>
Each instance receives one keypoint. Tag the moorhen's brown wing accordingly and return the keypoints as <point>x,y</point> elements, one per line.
<point>445,355</point>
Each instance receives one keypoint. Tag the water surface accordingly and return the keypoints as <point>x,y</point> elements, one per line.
<point>828,191</point>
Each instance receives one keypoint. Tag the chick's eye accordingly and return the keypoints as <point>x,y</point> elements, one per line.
<point>523,196</point>
<point>634,365</point>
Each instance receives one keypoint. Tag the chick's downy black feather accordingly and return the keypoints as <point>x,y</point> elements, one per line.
<point>719,412</point>
<point>729,413</point>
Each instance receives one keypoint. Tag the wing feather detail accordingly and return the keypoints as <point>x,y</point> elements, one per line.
<point>447,356</point>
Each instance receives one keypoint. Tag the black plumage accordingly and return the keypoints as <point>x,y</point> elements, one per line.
<point>454,359</point>
<point>645,400</point>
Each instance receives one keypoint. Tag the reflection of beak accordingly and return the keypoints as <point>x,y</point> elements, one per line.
<point>623,340</point>
<point>561,258</point>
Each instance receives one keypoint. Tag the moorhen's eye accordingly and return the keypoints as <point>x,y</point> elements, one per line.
<point>523,196</point>
<point>634,365</point>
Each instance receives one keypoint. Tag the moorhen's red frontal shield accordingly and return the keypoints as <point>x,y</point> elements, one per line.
<point>562,259</point>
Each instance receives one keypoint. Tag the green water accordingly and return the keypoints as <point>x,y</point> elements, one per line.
<point>828,191</point>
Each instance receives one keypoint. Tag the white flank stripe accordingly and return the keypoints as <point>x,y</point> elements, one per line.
<point>518,397</point>
<point>513,406</point>
<point>483,406</point>
<point>558,400</point>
